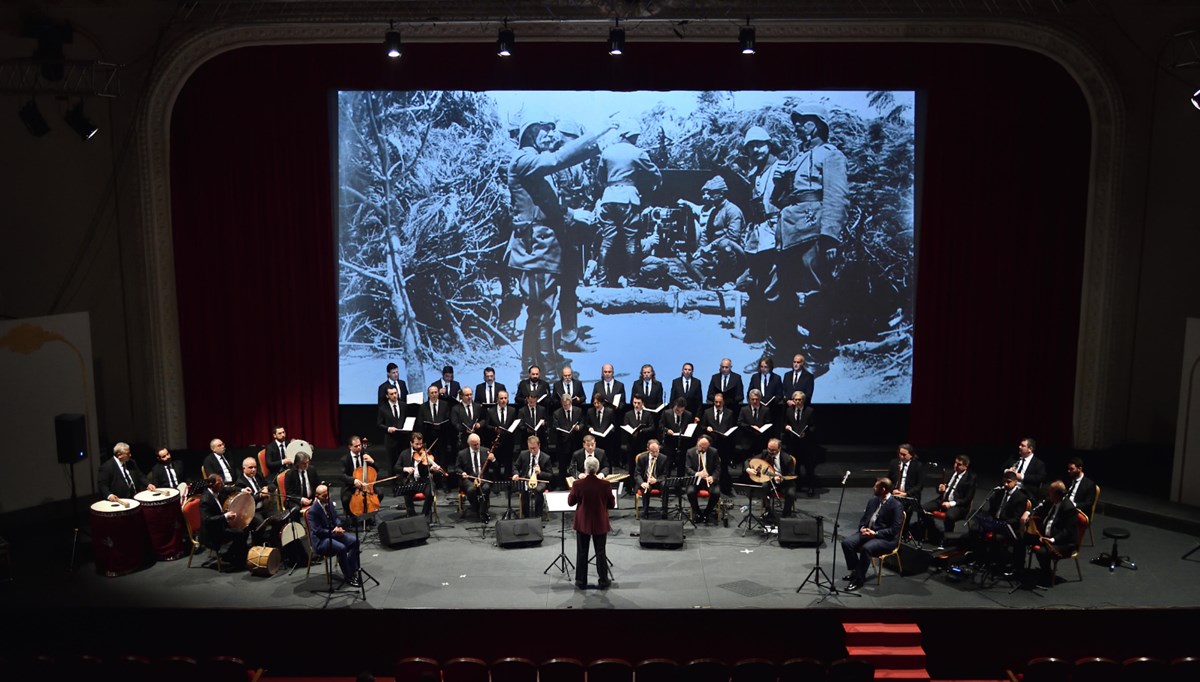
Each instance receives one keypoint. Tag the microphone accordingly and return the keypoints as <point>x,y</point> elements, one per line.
<point>999,487</point>
<point>844,478</point>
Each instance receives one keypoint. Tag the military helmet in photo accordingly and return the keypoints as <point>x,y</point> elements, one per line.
<point>568,127</point>
<point>534,118</point>
<point>756,134</point>
<point>814,112</point>
<point>715,184</point>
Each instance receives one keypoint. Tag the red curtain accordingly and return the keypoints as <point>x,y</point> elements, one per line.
<point>1001,216</point>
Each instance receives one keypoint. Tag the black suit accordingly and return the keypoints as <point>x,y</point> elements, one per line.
<point>1034,475</point>
<point>799,442</point>
<point>1085,494</point>
<point>403,389</point>
<point>719,422</point>
<point>653,398</point>
<point>262,506</point>
<point>465,424</point>
<point>674,442</point>
<point>504,447</point>
<point>912,484</point>
<point>160,479</point>
<point>734,393</point>
<point>578,457</point>
<point>1061,527</point>
<point>804,382</point>
<point>618,389</point>
<point>535,496</point>
<point>771,388</point>
<point>711,464</point>
<point>786,489</point>
<point>645,425</point>
<point>578,397</point>
<point>477,495</point>
<point>347,480</point>
<point>481,393</point>
<point>420,480</point>
<point>642,474</point>
<point>570,441</point>
<point>541,391</point>
<point>530,423</point>
<point>437,427</point>
<point>109,480</point>
<point>694,394</point>
<point>452,390</point>
<point>213,466</point>
<point>275,454</point>
<point>294,490</point>
<point>859,548</point>
<point>392,417</point>
<point>960,490</point>
<point>599,422</point>
<point>215,531</point>
<point>752,439</point>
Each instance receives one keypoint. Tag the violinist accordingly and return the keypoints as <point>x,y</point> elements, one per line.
<point>782,464</point>
<point>417,469</point>
<point>354,476</point>
<point>474,465</point>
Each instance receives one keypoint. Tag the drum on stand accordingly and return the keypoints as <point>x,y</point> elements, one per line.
<point>164,522</point>
<point>118,537</point>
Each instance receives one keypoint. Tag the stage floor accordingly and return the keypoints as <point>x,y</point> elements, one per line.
<point>717,568</point>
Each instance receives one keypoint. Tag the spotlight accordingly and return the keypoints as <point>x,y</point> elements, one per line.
<point>1195,99</point>
<point>506,40</point>
<point>616,39</point>
<point>391,40</point>
<point>34,122</point>
<point>746,38</point>
<point>80,123</point>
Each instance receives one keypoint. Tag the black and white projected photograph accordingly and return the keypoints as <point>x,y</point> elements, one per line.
<point>507,228</point>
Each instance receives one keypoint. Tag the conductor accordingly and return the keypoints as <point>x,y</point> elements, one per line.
<point>592,497</point>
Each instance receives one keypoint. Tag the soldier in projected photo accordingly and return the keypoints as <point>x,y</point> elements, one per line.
<point>719,260</point>
<point>574,185</point>
<point>762,233</point>
<point>626,171</point>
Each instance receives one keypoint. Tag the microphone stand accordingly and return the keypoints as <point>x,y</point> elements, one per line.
<point>816,574</point>
<point>362,534</point>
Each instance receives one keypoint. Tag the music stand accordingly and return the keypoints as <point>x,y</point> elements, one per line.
<point>751,491</point>
<point>508,485</point>
<point>674,485</point>
<point>557,502</point>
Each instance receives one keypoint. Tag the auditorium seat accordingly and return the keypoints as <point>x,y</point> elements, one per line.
<point>561,670</point>
<point>412,668</point>
<point>705,670</point>
<point>1184,669</point>
<point>1096,669</point>
<point>1047,669</point>
<point>851,670</point>
<point>754,670</point>
<point>610,670</point>
<point>224,669</point>
<point>657,670</point>
<point>1143,668</point>
<point>513,669</point>
<point>177,669</point>
<point>801,670</point>
<point>128,669</point>
<point>465,669</point>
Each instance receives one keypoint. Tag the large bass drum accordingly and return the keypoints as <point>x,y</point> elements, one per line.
<point>118,537</point>
<point>164,522</point>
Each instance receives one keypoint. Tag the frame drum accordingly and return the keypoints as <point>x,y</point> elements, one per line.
<point>293,538</point>
<point>118,537</point>
<point>164,522</point>
<point>264,561</point>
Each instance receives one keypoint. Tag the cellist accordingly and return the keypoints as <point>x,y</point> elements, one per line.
<point>359,472</point>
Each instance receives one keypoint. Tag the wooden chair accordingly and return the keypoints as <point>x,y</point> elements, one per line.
<point>1091,514</point>
<point>328,558</point>
<point>192,521</point>
<point>262,463</point>
<point>280,491</point>
<point>1083,528</point>
<point>895,551</point>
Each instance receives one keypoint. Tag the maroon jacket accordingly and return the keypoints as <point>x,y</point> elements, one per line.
<point>593,497</point>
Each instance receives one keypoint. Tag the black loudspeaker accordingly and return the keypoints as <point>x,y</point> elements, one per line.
<point>70,432</point>
<point>800,533</point>
<point>660,534</point>
<point>519,533</point>
<point>404,531</point>
<point>915,561</point>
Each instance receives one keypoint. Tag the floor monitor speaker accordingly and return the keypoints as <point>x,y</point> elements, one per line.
<point>405,531</point>
<point>660,534</point>
<point>519,533</point>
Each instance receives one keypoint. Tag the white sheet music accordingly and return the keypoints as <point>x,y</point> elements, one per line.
<point>691,428</point>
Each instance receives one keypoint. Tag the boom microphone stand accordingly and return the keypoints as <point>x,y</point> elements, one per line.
<point>362,534</point>
<point>816,574</point>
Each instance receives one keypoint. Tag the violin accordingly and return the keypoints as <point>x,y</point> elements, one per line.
<point>365,501</point>
<point>426,459</point>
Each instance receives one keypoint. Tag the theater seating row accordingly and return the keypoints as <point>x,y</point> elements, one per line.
<point>1100,669</point>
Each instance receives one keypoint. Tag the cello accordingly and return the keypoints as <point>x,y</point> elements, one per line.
<point>366,500</point>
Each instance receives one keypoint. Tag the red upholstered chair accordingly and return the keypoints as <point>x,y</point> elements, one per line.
<point>262,463</point>
<point>560,670</point>
<point>657,670</point>
<point>465,670</point>
<point>705,670</point>
<point>191,520</point>
<point>637,497</point>
<point>610,670</point>
<point>1047,669</point>
<point>851,670</point>
<point>704,495</point>
<point>513,669</point>
<point>801,670</point>
<point>1083,529</point>
<point>280,491</point>
<point>754,670</point>
<point>417,669</point>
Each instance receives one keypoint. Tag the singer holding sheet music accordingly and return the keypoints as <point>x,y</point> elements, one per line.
<point>797,418</point>
<point>592,498</point>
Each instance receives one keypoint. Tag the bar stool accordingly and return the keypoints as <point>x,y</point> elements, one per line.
<point>1114,558</point>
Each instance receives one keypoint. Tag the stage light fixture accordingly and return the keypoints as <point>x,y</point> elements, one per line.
<point>80,123</point>
<point>34,122</point>
<point>391,41</point>
<point>1196,99</point>
<point>616,38</point>
<point>746,38</point>
<point>505,41</point>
